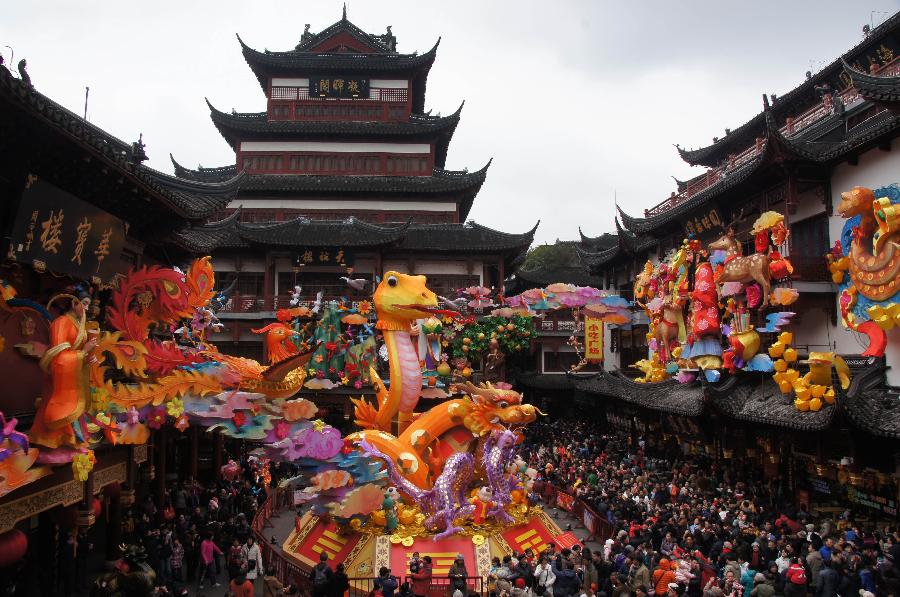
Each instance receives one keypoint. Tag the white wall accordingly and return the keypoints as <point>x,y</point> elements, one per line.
<point>809,204</point>
<point>876,168</point>
<point>426,268</point>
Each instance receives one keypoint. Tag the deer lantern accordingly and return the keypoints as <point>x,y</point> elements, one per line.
<point>740,268</point>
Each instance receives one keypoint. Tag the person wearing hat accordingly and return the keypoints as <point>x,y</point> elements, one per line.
<point>458,574</point>
<point>761,586</point>
<point>518,589</point>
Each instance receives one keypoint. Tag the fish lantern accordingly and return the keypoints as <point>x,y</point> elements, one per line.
<point>13,545</point>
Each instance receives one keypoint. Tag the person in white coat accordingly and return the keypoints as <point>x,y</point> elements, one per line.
<point>252,556</point>
<point>543,578</point>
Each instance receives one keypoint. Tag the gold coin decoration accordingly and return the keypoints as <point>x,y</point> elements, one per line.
<point>408,541</point>
<point>478,539</point>
<point>395,538</point>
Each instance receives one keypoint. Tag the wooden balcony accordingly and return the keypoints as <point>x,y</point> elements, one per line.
<point>261,304</point>
<point>293,103</point>
<point>792,126</point>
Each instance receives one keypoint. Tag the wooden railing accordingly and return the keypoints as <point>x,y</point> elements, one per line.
<point>259,304</point>
<point>848,97</point>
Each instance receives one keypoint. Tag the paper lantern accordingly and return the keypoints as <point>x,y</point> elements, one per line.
<point>97,507</point>
<point>13,545</point>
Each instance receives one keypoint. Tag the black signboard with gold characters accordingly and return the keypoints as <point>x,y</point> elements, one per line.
<point>338,87</point>
<point>703,222</point>
<point>57,231</point>
<point>325,256</point>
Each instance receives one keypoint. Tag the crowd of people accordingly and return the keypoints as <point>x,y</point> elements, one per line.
<point>682,525</point>
<point>201,537</point>
<point>689,525</point>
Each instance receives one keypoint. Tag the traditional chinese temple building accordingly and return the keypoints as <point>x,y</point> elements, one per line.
<point>78,207</point>
<point>343,172</point>
<point>836,130</point>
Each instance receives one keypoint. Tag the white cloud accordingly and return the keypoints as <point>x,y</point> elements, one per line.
<point>575,100</point>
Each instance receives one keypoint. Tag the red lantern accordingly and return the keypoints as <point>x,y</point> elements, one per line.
<point>13,545</point>
<point>97,507</point>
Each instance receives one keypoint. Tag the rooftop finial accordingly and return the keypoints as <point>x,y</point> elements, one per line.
<point>344,17</point>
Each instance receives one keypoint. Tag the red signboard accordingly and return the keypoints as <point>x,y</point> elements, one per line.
<point>566,540</point>
<point>565,501</point>
<point>532,535</point>
<point>324,538</point>
<point>442,555</point>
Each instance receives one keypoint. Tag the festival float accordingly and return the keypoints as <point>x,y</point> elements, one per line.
<point>441,482</point>
<point>716,315</point>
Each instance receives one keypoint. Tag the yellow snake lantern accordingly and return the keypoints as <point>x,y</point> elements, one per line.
<point>400,300</point>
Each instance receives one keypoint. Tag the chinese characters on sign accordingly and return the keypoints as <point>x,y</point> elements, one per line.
<point>65,234</point>
<point>870,500</point>
<point>703,222</point>
<point>593,339</point>
<point>323,256</point>
<point>338,87</point>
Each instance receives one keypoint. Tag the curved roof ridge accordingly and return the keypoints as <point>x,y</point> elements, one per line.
<point>345,24</point>
<point>505,234</point>
<point>884,88</point>
<point>187,184</point>
<point>709,155</point>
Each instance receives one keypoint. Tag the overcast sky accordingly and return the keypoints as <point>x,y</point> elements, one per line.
<point>578,102</point>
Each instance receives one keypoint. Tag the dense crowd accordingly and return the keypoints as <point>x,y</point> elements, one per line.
<point>201,537</point>
<point>688,525</point>
<point>682,525</point>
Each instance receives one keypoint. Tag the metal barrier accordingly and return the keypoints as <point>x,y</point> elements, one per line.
<point>600,528</point>
<point>287,571</point>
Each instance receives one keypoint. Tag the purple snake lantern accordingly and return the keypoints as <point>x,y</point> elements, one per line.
<point>445,501</point>
<point>497,454</point>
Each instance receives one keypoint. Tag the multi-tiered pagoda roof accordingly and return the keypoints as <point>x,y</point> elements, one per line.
<point>364,138</point>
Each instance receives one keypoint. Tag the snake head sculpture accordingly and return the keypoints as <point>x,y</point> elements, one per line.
<point>400,299</point>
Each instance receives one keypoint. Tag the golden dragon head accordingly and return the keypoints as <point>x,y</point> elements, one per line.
<point>856,201</point>
<point>495,409</point>
<point>400,299</point>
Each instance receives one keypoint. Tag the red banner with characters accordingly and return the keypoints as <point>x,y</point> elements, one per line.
<point>565,501</point>
<point>590,521</point>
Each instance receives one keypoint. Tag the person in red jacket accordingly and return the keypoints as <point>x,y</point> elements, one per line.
<point>796,579</point>
<point>421,579</point>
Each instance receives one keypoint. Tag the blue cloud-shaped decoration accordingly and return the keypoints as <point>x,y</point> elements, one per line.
<point>761,362</point>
